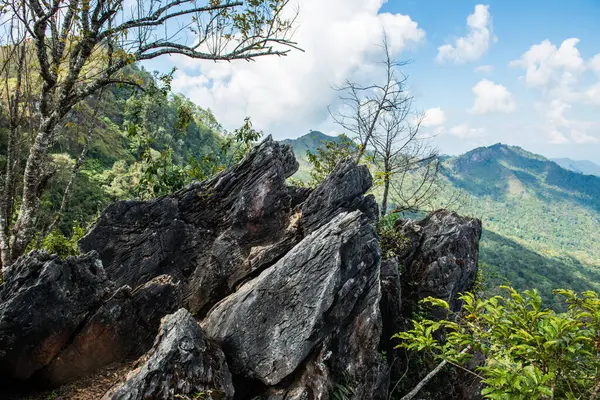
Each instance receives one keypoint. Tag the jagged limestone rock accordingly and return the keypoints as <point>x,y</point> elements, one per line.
<point>123,328</point>
<point>210,235</point>
<point>182,362</point>
<point>43,302</point>
<point>341,191</point>
<point>444,263</point>
<point>217,234</point>
<point>325,288</point>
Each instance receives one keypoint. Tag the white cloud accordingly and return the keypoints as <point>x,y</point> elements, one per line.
<point>582,137</point>
<point>557,138</point>
<point>563,129</point>
<point>559,72</point>
<point>433,117</point>
<point>595,63</point>
<point>593,94</point>
<point>477,41</point>
<point>491,97</point>
<point>340,39</point>
<point>547,64</point>
<point>485,69</point>
<point>465,131</point>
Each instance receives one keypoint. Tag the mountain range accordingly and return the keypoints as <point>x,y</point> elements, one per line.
<point>541,221</point>
<point>581,166</point>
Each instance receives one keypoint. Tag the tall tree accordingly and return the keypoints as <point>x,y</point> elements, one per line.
<point>364,105</point>
<point>81,46</point>
<point>381,117</point>
<point>406,162</point>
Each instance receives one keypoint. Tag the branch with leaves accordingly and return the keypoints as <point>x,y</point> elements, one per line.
<point>531,352</point>
<point>77,47</point>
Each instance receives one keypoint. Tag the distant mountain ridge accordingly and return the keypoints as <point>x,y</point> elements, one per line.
<point>311,141</point>
<point>541,221</point>
<point>582,166</point>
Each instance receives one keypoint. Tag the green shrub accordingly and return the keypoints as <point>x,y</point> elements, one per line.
<point>531,352</point>
<point>56,242</point>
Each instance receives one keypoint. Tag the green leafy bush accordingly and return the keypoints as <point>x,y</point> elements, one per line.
<point>391,241</point>
<point>531,352</point>
<point>56,242</point>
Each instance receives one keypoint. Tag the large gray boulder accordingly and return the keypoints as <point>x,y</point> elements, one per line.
<point>323,294</point>
<point>210,235</point>
<point>183,363</point>
<point>43,302</point>
<point>441,258</point>
<point>123,328</point>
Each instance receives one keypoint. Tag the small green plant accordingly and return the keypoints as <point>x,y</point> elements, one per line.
<point>383,356</point>
<point>392,242</point>
<point>531,352</point>
<point>341,391</point>
<point>52,396</point>
<point>55,242</point>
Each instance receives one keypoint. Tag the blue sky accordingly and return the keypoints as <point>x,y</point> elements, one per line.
<point>517,25</point>
<point>516,72</point>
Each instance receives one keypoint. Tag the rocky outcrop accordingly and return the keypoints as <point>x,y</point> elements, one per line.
<point>440,259</point>
<point>63,319</point>
<point>321,287</point>
<point>437,257</point>
<point>122,328</point>
<point>283,289</point>
<point>211,235</point>
<point>183,363</point>
<point>43,303</point>
<point>215,235</point>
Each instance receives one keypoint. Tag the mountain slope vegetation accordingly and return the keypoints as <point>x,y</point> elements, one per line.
<point>113,167</point>
<point>541,221</point>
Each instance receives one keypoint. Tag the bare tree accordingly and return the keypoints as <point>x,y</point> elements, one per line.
<point>382,118</point>
<point>363,105</point>
<point>81,46</point>
<point>406,162</point>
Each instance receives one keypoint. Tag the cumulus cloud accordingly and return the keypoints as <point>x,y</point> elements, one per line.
<point>477,41</point>
<point>557,138</point>
<point>340,39</point>
<point>593,94</point>
<point>464,131</point>
<point>433,117</point>
<point>485,69</point>
<point>545,63</point>
<point>491,97</point>
<point>582,137</point>
<point>562,128</point>
<point>559,73</point>
<point>595,63</point>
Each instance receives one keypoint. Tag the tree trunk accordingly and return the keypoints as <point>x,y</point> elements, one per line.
<point>32,179</point>
<point>386,192</point>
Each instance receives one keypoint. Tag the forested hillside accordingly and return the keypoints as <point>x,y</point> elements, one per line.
<point>125,127</point>
<point>541,222</point>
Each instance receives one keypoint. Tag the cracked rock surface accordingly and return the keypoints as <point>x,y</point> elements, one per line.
<point>239,285</point>
<point>298,302</point>
<point>181,362</point>
<point>441,258</point>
